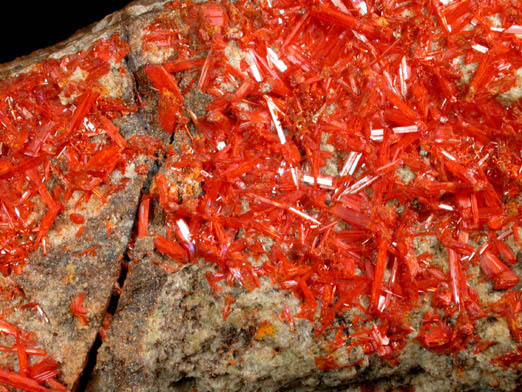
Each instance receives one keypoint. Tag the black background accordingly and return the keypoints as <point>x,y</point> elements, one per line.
<point>26,26</point>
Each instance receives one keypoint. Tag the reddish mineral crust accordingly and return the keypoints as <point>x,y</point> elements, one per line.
<point>70,146</point>
<point>343,181</point>
<point>364,157</point>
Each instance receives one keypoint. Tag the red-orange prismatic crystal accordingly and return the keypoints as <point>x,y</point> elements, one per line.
<point>311,123</point>
<point>42,138</point>
<point>78,310</point>
<point>52,145</point>
<point>308,128</point>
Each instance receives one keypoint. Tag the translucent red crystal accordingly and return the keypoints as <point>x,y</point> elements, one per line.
<point>143,217</point>
<point>501,276</point>
<point>45,141</point>
<point>169,248</point>
<point>369,91</point>
<point>57,138</point>
<point>77,218</point>
<point>29,377</point>
<point>21,382</point>
<point>78,310</point>
<point>300,148</point>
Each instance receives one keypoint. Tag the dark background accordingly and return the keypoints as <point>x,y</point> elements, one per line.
<point>26,26</point>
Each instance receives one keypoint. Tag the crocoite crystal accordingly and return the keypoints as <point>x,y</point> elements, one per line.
<point>57,138</point>
<point>303,142</point>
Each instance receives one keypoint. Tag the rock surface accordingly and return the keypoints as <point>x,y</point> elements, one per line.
<point>169,332</point>
<point>53,280</point>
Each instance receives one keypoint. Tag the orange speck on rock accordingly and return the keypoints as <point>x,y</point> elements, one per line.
<point>264,329</point>
<point>108,227</point>
<point>227,309</point>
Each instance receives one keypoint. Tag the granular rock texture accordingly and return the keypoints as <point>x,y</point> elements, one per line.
<point>78,263</point>
<point>432,305</point>
<point>169,334</point>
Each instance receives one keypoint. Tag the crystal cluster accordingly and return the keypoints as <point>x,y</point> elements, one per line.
<point>58,147</point>
<point>340,133</point>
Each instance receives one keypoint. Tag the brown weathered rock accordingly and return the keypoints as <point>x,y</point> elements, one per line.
<point>54,280</point>
<point>168,332</point>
